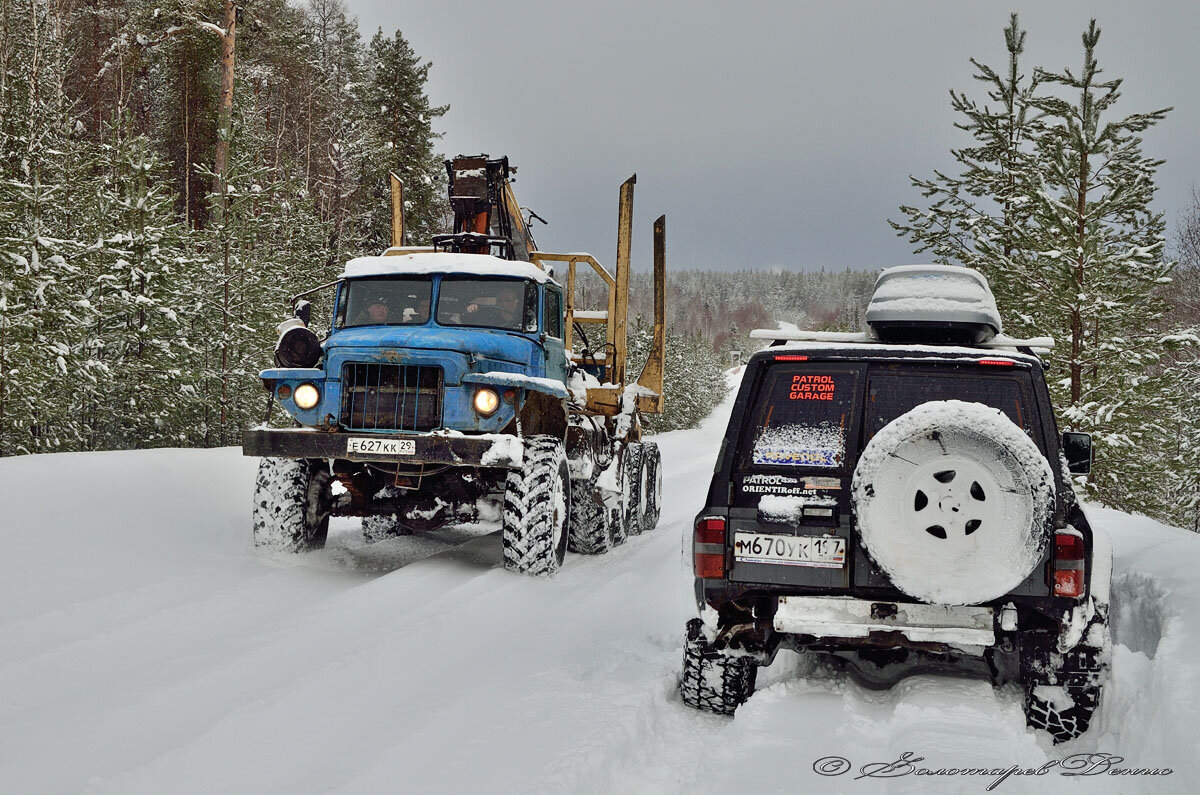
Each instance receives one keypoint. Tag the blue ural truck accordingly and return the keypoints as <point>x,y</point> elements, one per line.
<point>449,390</point>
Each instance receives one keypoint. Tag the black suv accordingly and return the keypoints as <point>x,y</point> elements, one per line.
<point>900,501</point>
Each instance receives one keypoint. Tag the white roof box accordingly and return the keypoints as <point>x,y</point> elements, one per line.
<point>933,304</point>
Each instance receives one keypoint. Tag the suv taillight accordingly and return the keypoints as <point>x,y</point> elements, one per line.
<point>708,548</point>
<point>1069,561</point>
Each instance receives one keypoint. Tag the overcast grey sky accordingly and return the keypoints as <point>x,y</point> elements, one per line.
<point>771,134</point>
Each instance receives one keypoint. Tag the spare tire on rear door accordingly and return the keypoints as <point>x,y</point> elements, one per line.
<point>952,502</point>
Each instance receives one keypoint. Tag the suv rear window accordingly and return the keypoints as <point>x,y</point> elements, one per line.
<point>803,417</point>
<point>891,394</point>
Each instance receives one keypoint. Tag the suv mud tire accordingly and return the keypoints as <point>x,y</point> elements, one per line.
<point>537,502</point>
<point>633,483</point>
<point>591,523</point>
<point>652,490</point>
<point>713,681</point>
<point>952,502</point>
<point>291,504</point>
<point>1078,678</point>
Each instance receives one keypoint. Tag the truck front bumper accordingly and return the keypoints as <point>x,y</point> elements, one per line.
<point>500,451</point>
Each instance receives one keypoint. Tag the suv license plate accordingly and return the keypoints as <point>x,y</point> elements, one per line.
<point>358,444</point>
<point>817,551</point>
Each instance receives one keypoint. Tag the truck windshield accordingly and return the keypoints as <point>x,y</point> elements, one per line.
<point>509,304</point>
<point>384,302</point>
<point>804,417</point>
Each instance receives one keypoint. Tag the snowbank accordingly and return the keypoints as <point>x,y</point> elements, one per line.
<point>146,648</point>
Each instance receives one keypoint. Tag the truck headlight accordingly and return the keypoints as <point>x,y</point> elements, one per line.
<point>486,402</point>
<point>306,396</point>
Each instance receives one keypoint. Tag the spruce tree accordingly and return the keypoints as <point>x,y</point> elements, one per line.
<point>399,128</point>
<point>138,265</point>
<point>40,259</point>
<point>693,377</point>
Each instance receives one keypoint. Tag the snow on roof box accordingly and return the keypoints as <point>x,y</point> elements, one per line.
<point>933,304</point>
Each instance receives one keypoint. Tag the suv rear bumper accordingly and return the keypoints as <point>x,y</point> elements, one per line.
<point>500,451</point>
<point>859,621</point>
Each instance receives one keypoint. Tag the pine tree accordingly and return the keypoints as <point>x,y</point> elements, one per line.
<point>1182,371</point>
<point>1096,260</point>
<point>1054,206</point>
<point>974,218</point>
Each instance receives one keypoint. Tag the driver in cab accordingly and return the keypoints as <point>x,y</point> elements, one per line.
<point>503,310</point>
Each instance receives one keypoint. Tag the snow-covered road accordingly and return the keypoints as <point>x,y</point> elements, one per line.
<point>146,648</point>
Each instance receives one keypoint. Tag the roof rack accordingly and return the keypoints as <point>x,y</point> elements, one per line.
<point>1037,345</point>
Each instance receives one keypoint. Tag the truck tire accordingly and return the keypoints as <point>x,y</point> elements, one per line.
<point>713,681</point>
<point>291,504</point>
<point>537,502</point>
<point>952,502</point>
<point>591,526</point>
<point>633,485</point>
<point>652,493</point>
<point>1062,691</point>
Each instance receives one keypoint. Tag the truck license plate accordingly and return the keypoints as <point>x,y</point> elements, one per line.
<point>817,551</point>
<point>358,444</point>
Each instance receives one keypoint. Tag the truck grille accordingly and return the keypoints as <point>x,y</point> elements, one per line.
<point>391,397</point>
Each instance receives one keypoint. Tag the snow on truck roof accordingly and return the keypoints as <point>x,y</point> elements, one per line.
<point>427,263</point>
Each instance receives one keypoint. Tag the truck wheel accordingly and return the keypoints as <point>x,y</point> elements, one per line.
<point>1062,693</point>
<point>537,509</point>
<point>291,504</point>
<point>952,502</point>
<point>634,483</point>
<point>591,531</point>
<point>652,489</point>
<point>713,681</point>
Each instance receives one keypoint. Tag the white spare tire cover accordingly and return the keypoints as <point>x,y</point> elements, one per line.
<point>951,501</point>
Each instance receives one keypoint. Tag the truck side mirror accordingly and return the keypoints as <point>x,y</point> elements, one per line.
<point>303,311</point>
<point>1077,448</point>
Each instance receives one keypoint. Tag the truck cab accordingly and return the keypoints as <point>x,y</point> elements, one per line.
<point>419,344</point>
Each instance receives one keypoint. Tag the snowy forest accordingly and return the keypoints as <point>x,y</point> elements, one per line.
<point>154,221</point>
<point>170,174</point>
<point>160,201</point>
